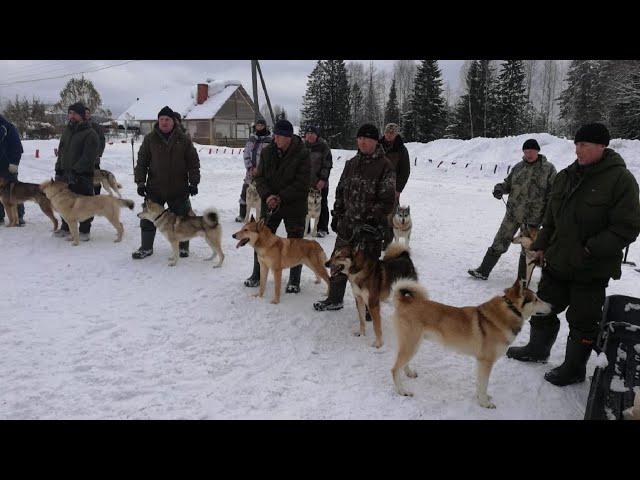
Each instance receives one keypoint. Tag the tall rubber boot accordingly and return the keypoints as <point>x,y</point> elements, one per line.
<point>488,262</point>
<point>254,279</point>
<point>542,336</point>
<point>293,286</point>
<point>337,287</point>
<point>184,249</point>
<point>146,244</point>
<point>574,368</point>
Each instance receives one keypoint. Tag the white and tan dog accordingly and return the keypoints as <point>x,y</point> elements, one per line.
<point>402,224</point>
<point>484,331</point>
<point>107,180</point>
<point>178,229</point>
<point>314,204</point>
<point>75,208</point>
<point>526,237</point>
<point>253,202</point>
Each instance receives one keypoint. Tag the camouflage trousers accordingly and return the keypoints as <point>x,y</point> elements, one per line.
<point>506,232</point>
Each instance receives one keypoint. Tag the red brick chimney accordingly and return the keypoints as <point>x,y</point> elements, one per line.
<point>203,93</point>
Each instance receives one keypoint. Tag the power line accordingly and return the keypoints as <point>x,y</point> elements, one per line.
<point>50,71</point>
<point>66,75</point>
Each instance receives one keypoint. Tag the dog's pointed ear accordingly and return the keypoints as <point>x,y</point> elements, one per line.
<point>260,224</point>
<point>252,219</point>
<point>408,209</point>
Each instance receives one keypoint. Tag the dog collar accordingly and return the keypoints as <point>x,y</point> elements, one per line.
<point>512,307</point>
<point>163,212</point>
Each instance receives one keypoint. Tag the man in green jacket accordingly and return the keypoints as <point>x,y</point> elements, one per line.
<point>528,186</point>
<point>167,171</point>
<point>77,154</point>
<point>282,181</point>
<point>593,214</point>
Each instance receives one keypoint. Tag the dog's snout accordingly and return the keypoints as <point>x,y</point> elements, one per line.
<point>234,236</point>
<point>327,264</point>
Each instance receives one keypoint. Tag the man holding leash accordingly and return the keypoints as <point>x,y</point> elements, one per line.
<point>593,214</point>
<point>529,187</point>
<point>260,138</point>
<point>77,154</point>
<point>167,171</point>
<point>10,153</point>
<point>282,181</point>
<point>321,164</point>
<point>365,196</point>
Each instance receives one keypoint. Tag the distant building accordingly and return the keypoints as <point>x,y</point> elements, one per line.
<point>214,113</point>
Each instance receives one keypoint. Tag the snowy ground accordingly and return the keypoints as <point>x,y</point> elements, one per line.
<point>86,332</point>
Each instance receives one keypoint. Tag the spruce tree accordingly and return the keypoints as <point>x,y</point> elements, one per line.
<point>511,100</point>
<point>428,104</point>
<point>311,103</point>
<point>391,111</point>
<point>581,102</point>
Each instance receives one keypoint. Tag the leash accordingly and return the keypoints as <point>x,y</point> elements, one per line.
<point>163,212</point>
<point>512,307</point>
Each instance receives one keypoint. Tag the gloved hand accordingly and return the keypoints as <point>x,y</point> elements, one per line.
<point>13,168</point>
<point>334,224</point>
<point>193,190</point>
<point>142,190</point>
<point>498,191</point>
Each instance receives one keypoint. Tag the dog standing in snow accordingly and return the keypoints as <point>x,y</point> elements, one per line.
<point>402,224</point>
<point>314,206</point>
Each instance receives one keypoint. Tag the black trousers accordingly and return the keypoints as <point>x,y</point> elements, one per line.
<point>323,221</point>
<point>82,185</point>
<point>583,302</point>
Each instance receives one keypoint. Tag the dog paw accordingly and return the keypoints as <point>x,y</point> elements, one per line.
<point>485,401</point>
<point>358,333</point>
<point>274,302</point>
<point>378,343</point>
<point>256,295</point>
<point>409,372</point>
<point>404,393</point>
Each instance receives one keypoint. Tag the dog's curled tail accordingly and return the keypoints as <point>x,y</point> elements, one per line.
<point>210,217</point>
<point>394,250</point>
<point>126,203</point>
<point>407,291</point>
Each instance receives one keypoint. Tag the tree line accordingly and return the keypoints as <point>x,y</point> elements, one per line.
<point>498,98</point>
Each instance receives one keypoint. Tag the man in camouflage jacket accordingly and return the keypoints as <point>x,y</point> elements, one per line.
<point>593,214</point>
<point>365,195</point>
<point>529,187</point>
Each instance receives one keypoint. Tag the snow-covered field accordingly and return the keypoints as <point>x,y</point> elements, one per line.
<point>86,332</point>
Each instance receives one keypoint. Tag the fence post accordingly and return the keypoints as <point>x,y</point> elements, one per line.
<point>495,169</point>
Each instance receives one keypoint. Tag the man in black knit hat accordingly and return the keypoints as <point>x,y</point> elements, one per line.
<point>365,195</point>
<point>528,186</point>
<point>282,181</point>
<point>77,154</point>
<point>167,171</point>
<point>593,214</point>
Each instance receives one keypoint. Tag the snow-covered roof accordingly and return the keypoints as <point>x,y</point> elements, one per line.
<point>183,100</point>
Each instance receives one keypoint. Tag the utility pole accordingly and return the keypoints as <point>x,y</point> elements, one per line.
<point>256,70</point>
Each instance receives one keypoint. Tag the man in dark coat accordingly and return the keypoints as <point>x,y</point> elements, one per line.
<point>10,153</point>
<point>365,195</point>
<point>77,154</point>
<point>321,163</point>
<point>593,214</point>
<point>282,181</point>
<point>167,171</point>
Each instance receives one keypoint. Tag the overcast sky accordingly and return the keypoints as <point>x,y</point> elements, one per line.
<point>120,85</point>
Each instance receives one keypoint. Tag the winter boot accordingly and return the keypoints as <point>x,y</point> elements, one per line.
<point>574,368</point>
<point>293,286</point>
<point>254,280</point>
<point>146,245</point>
<point>337,286</point>
<point>242,214</point>
<point>488,262</point>
<point>184,249</point>
<point>541,339</point>
<point>522,267</point>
